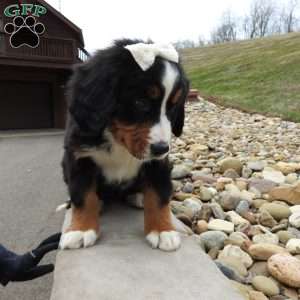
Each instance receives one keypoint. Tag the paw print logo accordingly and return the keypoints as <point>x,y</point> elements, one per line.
<point>24,32</point>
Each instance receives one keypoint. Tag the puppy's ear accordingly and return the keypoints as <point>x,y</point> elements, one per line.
<point>92,97</point>
<point>177,119</point>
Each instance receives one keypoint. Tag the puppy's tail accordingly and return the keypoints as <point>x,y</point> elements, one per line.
<point>64,206</point>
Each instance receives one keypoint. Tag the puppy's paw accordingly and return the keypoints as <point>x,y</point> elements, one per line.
<point>165,240</point>
<point>169,240</point>
<point>153,239</point>
<point>78,239</point>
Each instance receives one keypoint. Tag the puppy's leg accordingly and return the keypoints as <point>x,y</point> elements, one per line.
<point>84,228</point>
<point>159,229</point>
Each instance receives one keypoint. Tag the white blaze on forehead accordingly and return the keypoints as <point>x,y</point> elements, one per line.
<point>161,132</point>
<point>145,54</point>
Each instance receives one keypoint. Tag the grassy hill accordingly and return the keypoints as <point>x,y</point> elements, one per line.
<point>260,75</point>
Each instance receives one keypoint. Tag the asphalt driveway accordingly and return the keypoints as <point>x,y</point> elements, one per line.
<point>31,187</point>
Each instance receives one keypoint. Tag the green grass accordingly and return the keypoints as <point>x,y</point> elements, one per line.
<point>260,75</point>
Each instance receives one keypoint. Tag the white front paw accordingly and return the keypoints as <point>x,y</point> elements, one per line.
<point>78,239</point>
<point>165,240</point>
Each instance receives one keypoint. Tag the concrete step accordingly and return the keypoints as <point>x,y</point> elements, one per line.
<point>122,266</point>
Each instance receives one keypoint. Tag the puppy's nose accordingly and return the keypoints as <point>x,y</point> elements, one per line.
<point>159,148</point>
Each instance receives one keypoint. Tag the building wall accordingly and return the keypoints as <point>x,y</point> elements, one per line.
<point>55,80</point>
<point>48,65</point>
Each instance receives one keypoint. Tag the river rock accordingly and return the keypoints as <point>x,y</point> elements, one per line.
<point>205,193</point>
<point>254,295</point>
<point>188,188</point>
<point>213,239</point>
<point>230,200</point>
<point>238,238</point>
<point>230,163</point>
<point>213,253</point>
<point>235,264</point>
<point>263,185</point>
<point>281,226</point>
<point>294,231</point>
<point>257,203</point>
<point>257,165</point>
<point>277,211</point>
<point>255,230</point>
<point>204,178</point>
<point>295,208</point>
<point>232,188</point>
<point>200,227</point>
<point>217,211</point>
<point>243,207</point>
<point>265,285</point>
<point>259,268</point>
<point>266,219</point>
<point>177,185</point>
<point>229,272</point>
<point>222,182</point>
<point>266,238</point>
<point>178,208</point>
<point>246,172</point>
<point>285,268</point>
<point>231,173</point>
<point>242,289</point>
<point>238,253</point>
<point>198,148</point>
<point>180,171</point>
<point>291,178</point>
<point>284,236</point>
<point>279,297</point>
<point>293,246</point>
<point>180,196</point>
<point>264,251</point>
<point>294,219</point>
<point>290,293</point>
<point>242,184</point>
<point>235,218</point>
<point>286,168</point>
<point>193,204</point>
<point>273,175</point>
<point>221,225</point>
<point>290,194</point>
<point>204,213</point>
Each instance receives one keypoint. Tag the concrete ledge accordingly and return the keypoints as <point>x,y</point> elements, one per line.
<point>123,266</point>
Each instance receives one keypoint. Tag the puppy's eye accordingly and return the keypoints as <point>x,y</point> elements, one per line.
<point>142,105</point>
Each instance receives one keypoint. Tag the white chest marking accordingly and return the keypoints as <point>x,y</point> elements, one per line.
<point>117,165</point>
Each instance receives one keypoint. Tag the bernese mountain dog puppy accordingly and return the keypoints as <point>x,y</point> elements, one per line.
<point>124,104</point>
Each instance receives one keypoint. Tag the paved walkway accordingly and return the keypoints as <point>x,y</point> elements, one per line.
<point>123,267</point>
<point>31,187</point>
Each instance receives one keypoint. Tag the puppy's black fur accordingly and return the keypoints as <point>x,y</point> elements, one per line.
<point>112,87</point>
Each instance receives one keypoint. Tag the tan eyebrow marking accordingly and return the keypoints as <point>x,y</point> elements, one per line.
<point>154,92</point>
<point>176,97</point>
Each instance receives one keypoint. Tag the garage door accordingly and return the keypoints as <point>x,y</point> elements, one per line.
<point>25,105</point>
